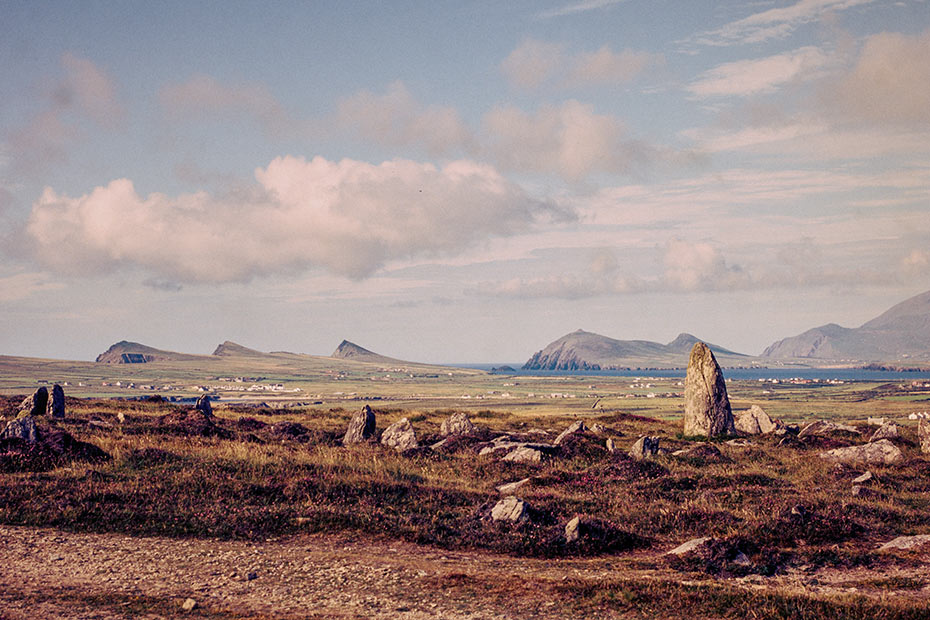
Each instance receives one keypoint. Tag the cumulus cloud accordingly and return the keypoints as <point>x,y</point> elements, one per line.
<point>698,267</point>
<point>349,217</point>
<point>84,93</point>
<point>762,75</point>
<point>203,96</point>
<point>535,63</point>
<point>396,118</point>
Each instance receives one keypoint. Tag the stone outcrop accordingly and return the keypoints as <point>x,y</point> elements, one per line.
<point>644,448</point>
<point>707,407</point>
<point>56,404</point>
<point>576,428</point>
<point>36,404</point>
<point>21,428</point>
<point>881,452</point>
<point>400,436</point>
<point>204,407</point>
<point>512,509</point>
<point>361,427</point>
<point>923,436</point>
<point>885,431</point>
<point>457,424</point>
<point>754,421</point>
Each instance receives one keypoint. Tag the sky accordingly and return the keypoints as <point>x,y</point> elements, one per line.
<point>457,182</point>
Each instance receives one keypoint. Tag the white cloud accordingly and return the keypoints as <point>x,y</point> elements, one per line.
<point>396,118</point>
<point>578,7</point>
<point>349,217</point>
<point>22,285</point>
<point>763,75</point>
<point>533,63</point>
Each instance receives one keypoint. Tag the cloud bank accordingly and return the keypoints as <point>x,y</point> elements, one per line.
<point>349,217</point>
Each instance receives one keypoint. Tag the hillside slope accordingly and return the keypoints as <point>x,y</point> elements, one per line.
<point>126,352</point>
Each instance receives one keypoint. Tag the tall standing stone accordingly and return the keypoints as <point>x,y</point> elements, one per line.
<point>36,404</point>
<point>204,407</point>
<point>361,427</point>
<point>56,404</point>
<point>707,407</point>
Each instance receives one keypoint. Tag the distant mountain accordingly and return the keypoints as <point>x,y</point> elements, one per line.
<point>351,351</point>
<point>902,333</point>
<point>581,350</point>
<point>125,352</point>
<point>231,349</point>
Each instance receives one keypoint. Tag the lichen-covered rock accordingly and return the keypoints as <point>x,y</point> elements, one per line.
<point>457,424</point>
<point>754,421</point>
<point>923,436</point>
<point>690,546</point>
<point>512,509</point>
<point>21,428</point>
<point>907,542</point>
<point>644,448</point>
<point>576,428</point>
<point>885,431</point>
<point>56,404</point>
<point>361,427</point>
<point>524,454</point>
<point>825,427</point>
<point>573,530</point>
<point>707,407</point>
<point>881,452</point>
<point>400,436</point>
<point>36,404</point>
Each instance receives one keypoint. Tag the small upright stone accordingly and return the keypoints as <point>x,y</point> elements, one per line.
<point>573,530</point>
<point>361,427</point>
<point>707,407</point>
<point>56,404</point>
<point>644,448</point>
<point>576,428</point>
<point>36,404</point>
<point>457,424</point>
<point>923,436</point>
<point>21,428</point>
<point>400,436</point>
<point>204,407</point>
<point>611,445</point>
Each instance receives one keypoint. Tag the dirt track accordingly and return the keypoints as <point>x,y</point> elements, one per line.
<point>51,574</point>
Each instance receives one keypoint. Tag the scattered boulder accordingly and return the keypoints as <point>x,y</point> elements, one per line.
<point>644,448</point>
<point>597,428</point>
<point>611,445</point>
<point>690,546</point>
<point>576,428</point>
<point>825,427</point>
<point>866,477</point>
<point>510,509</point>
<point>457,424</point>
<point>524,454</point>
<point>21,428</point>
<point>885,431</point>
<point>573,530</point>
<point>189,604</point>
<point>881,452</point>
<point>361,427</point>
<point>400,436</point>
<point>707,407</point>
<point>36,404</point>
<point>204,407</point>
<point>754,421</point>
<point>56,404</point>
<point>512,487</point>
<point>923,436</point>
<point>906,542</point>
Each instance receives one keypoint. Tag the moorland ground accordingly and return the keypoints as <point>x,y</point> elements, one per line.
<point>270,490</point>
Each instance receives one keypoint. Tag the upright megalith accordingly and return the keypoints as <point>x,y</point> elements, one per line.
<point>707,408</point>
<point>361,427</point>
<point>204,407</point>
<point>56,404</point>
<point>35,404</point>
<point>923,436</point>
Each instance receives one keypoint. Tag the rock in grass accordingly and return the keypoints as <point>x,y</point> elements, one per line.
<point>923,436</point>
<point>707,407</point>
<point>189,605</point>
<point>611,445</point>
<point>524,454</point>
<point>457,424</point>
<point>36,404</point>
<point>512,487</point>
<point>885,431</point>
<point>56,404</point>
<point>881,452</point>
<point>576,428</point>
<point>512,509</point>
<point>644,448</point>
<point>204,407</point>
<point>21,428</point>
<point>361,427</point>
<point>866,477</point>
<point>400,436</point>
<point>573,530</point>
<point>906,542</point>
<point>754,421</point>
<point>825,427</point>
<point>690,546</point>
<point>703,452</point>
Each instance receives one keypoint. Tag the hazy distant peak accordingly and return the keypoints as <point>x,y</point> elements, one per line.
<point>230,348</point>
<point>127,352</point>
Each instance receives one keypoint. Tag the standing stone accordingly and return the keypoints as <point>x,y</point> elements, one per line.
<point>56,404</point>
<point>707,408</point>
<point>611,445</point>
<point>21,428</point>
<point>457,424</point>
<point>204,407</point>
<point>361,427</point>
<point>400,436</point>
<point>36,404</point>
<point>573,530</point>
<point>644,448</point>
<point>923,436</point>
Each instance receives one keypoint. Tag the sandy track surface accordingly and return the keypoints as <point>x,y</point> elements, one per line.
<point>48,573</point>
